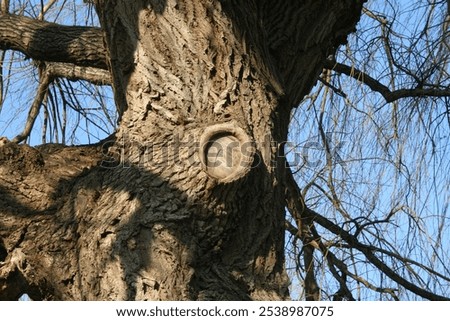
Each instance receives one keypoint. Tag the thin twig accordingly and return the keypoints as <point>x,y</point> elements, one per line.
<point>296,204</point>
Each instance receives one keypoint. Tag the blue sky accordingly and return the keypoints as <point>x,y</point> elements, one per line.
<point>392,157</point>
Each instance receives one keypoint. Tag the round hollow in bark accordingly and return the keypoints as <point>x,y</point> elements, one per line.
<point>226,152</point>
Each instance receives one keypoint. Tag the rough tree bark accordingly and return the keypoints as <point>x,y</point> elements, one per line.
<point>150,214</point>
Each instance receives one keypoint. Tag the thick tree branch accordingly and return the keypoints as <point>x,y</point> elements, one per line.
<point>73,72</point>
<point>289,47</point>
<point>30,215</point>
<point>377,86</point>
<point>50,42</point>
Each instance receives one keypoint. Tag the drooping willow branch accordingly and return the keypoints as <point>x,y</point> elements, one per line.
<point>50,71</point>
<point>375,85</point>
<point>294,196</point>
<point>369,253</point>
<point>44,82</point>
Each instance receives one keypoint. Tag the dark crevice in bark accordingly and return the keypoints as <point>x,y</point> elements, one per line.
<point>3,252</point>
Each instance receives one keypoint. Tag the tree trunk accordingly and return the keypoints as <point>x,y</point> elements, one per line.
<point>187,201</point>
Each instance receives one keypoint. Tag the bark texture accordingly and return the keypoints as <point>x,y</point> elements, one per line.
<point>141,217</point>
<point>46,41</point>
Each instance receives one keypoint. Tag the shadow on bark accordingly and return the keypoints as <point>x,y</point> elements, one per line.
<point>125,233</point>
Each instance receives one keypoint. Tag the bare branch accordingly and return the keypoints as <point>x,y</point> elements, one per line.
<point>44,41</point>
<point>377,86</point>
<point>344,269</point>
<point>73,72</point>
<point>46,8</point>
<point>2,96</point>
<point>368,252</point>
<point>49,72</point>
<point>44,82</point>
<point>296,207</point>
<point>295,204</point>
<point>4,6</point>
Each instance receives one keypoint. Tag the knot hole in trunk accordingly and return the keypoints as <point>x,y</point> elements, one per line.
<point>226,152</point>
